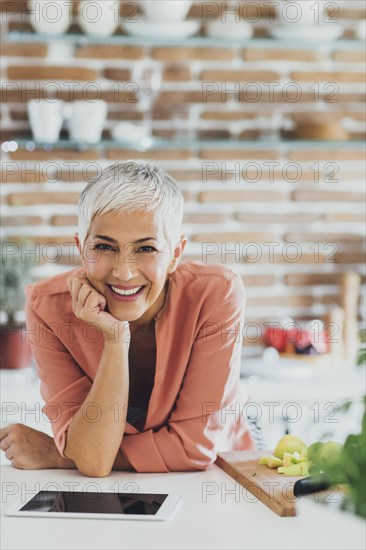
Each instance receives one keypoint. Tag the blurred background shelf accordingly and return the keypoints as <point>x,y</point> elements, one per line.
<point>160,143</point>
<point>196,41</point>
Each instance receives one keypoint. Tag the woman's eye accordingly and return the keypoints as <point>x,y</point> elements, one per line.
<point>147,249</point>
<point>103,247</point>
<point>107,248</point>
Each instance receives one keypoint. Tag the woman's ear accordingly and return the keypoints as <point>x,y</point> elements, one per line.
<point>178,251</point>
<point>78,244</point>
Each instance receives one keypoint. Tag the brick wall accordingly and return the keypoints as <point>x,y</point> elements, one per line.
<point>292,213</point>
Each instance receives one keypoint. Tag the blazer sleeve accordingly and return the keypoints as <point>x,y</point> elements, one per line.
<point>207,416</point>
<point>64,385</point>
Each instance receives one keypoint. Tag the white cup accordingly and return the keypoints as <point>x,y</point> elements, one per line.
<point>127,131</point>
<point>165,10</point>
<point>46,118</point>
<point>361,29</point>
<point>300,12</point>
<point>86,119</point>
<point>52,17</point>
<point>99,18</point>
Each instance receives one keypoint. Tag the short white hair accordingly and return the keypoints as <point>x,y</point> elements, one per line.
<point>133,186</point>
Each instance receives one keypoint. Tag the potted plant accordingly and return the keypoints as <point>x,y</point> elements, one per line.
<point>346,464</point>
<point>15,274</point>
<point>352,464</point>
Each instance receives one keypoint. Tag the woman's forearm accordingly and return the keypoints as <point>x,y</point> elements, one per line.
<point>120,462</point>
<point>96,431</point>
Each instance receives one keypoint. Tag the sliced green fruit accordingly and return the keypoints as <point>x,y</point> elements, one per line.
<point>271,461</point>
<point>304,455</point>
<point>289,444</point>
<point>295,458</point>
<point>294,470</point>
<point>274,462</point>
<point>289,460</point>
<point>304,467</point>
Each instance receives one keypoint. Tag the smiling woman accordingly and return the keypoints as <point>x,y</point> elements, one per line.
<point>138,355</point>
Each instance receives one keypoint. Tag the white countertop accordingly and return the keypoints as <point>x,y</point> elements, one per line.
<point>228,518</point>
<point>215,513</point>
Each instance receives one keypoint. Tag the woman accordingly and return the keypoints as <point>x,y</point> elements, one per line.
<point>138,356</point>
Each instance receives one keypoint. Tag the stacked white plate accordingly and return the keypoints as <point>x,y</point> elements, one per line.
<point>309,33</point>
<point>173,29</point>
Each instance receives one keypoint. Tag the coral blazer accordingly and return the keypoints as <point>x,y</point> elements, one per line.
<point>196,407</point>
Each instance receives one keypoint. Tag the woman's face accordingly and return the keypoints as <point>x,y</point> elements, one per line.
<point>128,253</point>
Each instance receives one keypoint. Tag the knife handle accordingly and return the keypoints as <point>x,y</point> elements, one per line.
<point>311,484</point>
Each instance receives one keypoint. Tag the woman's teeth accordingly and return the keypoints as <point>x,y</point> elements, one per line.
<point>126,292</point>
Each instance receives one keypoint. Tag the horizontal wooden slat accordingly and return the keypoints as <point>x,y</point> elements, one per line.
<point>101,51</point>
<point>185,54</point>
<point>62,219</point>
<point>324,237</point>
<point>22,199</point>
<point>242,196</point>
<point>232,237</point>
<point>24,50</point>
<point>50,72</point>
<point>328,196</point>
<point>283,54</point>
<point>64,154</point>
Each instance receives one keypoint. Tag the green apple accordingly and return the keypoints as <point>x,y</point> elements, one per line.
<point>330,454</point>
<point>289,444</point>
<point>314,451</point>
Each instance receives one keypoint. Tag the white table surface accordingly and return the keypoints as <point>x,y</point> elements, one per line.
<point>224,520</point>
<point>227,519</point>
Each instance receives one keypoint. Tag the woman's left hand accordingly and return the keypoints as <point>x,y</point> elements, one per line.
<point>30,449</point>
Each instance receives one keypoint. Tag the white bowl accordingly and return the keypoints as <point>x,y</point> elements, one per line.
<point>300,12</point>
<point>306,33</point>
<point>165,10</point>
<point>229,29</point>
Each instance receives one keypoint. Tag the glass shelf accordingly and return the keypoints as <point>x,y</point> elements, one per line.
<point>158,143</point>
<point>195,41</point>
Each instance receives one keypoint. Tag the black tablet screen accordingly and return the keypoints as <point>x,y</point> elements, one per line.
<point>95,503</point>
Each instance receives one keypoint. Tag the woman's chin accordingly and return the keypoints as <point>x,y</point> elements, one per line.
<point>124,312</point>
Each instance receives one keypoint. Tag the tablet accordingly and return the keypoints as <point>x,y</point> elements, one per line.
<point>96,505</point>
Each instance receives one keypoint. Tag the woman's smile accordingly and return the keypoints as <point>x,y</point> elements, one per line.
<point>128,295</point>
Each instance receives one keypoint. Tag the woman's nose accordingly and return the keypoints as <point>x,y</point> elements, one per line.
<point>125,267</point>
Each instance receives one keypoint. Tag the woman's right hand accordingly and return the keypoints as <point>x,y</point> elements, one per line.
<point>89,305</point>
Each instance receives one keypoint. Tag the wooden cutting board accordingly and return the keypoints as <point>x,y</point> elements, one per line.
<point>273,489</point>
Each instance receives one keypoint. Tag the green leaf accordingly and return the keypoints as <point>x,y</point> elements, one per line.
<point>361,359</point>
<point>345,406</point>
